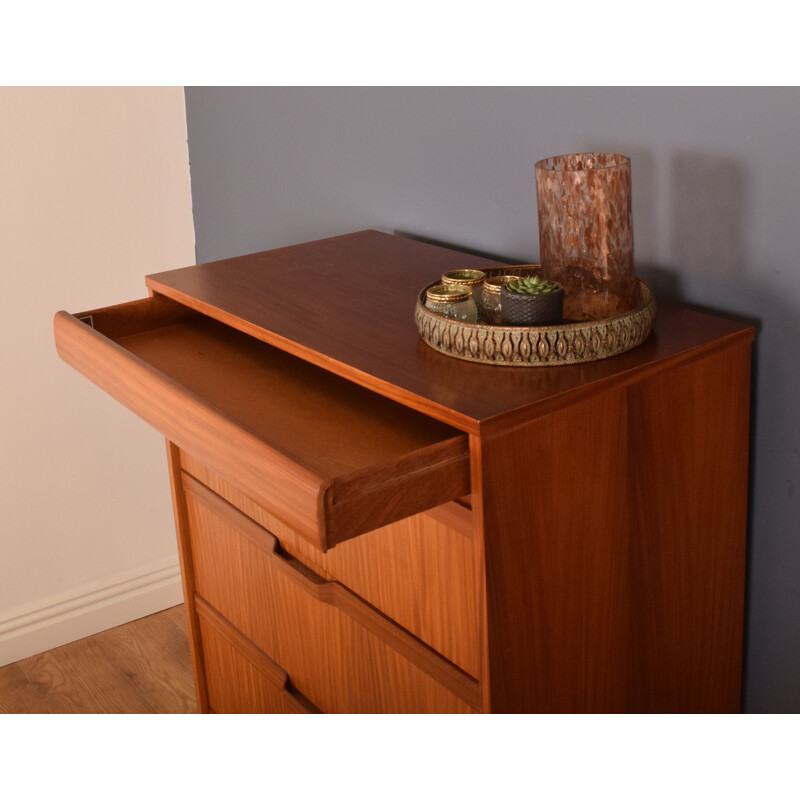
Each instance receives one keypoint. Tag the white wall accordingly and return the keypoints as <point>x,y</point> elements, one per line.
<point>94,194</point>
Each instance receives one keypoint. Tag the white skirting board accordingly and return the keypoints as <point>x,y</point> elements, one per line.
<point>89,609</point>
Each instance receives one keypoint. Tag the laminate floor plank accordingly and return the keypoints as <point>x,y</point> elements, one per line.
<point>162,685</point>
<point>142,667</point>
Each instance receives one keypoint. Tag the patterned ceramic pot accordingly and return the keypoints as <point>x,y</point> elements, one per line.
<point>531,309</point>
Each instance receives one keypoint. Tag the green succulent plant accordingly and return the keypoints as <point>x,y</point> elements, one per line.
<point>531,284</point>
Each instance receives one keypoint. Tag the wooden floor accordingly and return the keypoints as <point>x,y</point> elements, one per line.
<point>139,668</point>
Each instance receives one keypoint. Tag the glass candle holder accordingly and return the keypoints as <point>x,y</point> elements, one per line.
<point>472,279</point>
<point>586,232</point>
<point>453,302</point>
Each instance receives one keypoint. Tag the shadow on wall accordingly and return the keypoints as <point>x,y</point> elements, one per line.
<point>709,215</point>
<point>708,219</point>
<point>470,251</point>
<point>708,212</point>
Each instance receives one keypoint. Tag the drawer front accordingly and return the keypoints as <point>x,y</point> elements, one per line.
<point>329,458</point>
<point>342,655</point>
<point>240,679</point>
<point>419,572</point>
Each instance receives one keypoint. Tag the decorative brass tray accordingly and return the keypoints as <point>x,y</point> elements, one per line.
<point>546,346</point>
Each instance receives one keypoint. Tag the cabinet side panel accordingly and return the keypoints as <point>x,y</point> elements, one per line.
<point>615,572</point>
<point>554,515</point>
<point>688,497</point>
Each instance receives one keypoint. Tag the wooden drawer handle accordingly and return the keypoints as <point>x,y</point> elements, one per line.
<point>274,672</point>
<point>417,652</point>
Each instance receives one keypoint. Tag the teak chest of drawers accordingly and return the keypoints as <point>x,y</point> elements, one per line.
<point>366,525</point>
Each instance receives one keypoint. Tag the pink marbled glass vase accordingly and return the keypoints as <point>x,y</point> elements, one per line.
<point>586,232</point>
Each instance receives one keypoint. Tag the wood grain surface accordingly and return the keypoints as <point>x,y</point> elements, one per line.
<point>241,678</point>
<point>688,509</point>
<point>338,653</point>
<point>600,567</point>
<point>347,304</point>
<point>181,514</point>
<point>142,667</point>
<point>329,457</point>
<point>419,571</point>
<point>617,585</point>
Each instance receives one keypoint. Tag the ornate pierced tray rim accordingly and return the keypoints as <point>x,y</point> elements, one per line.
<point>544,346</point>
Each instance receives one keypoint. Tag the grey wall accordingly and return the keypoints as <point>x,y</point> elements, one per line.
<point>716,188</point>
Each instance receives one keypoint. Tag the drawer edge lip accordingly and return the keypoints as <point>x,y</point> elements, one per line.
<point>428,477</point>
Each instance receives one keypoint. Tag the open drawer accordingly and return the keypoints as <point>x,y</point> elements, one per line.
<point>329,458</point>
